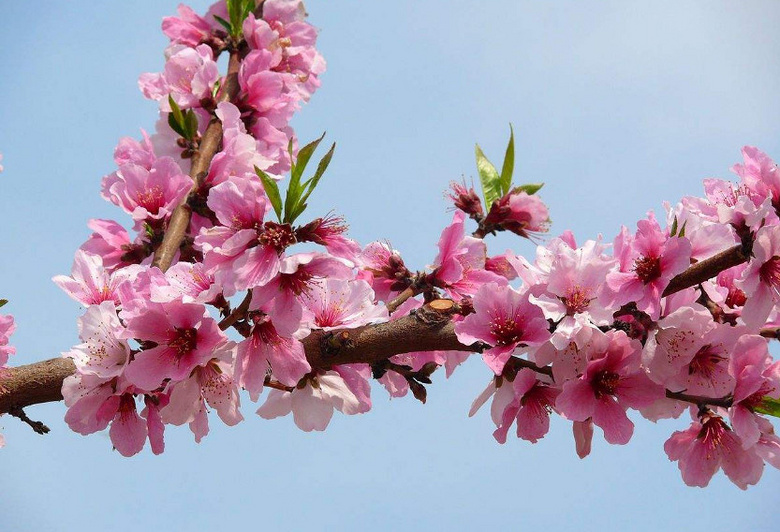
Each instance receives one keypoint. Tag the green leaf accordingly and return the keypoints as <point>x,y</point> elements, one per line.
<point>768,406</point>
<point>673,230</point>
<point>272,191</point>
<point>176,118</point>
<point>3,302</point>
<point>294,188</point>
<point>224,23</point>
<point>311,184</point>
<point>488,175</point>
<point>530,188</point>
<point>304,154</point>
<point>191,124</point>
<point>682,230</point>
<point>508,168</point>
<point>175,126</point>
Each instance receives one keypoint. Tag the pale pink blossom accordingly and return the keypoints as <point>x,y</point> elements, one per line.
<point>103,353</point>
<point>312,405</point>
<point>340,303</point>
<point>90,283</point>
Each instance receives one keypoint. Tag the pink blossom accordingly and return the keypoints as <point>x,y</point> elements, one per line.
<point>239,155</point>
<point>188,28</point>
<point>519,212</point>
<point>211,385</point>
<point>109,241</point>
<point>647,262</point>
<point>761,279</point>
<point>312,405</point>
<point>756,378</point>
<point>613,381</point>
<point>531,407</point>
<point>460,265</point>
<point>709,445</point>
<point>266,346</point>
<point>130,151</point>
<point>264,89</point>
<point>147,194</point>
<point>504,319</point>
<point>188,77</point>
<point>7,328</point>
<point>385,269</point>
<point>760,175</point>
<point>243,251</point>
<point>185,337</point>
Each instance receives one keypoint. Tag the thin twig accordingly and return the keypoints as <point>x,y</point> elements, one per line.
<point>238,313</point>
<point>37,426</point>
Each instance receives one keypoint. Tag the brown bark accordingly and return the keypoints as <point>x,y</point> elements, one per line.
<point>427,330</point>
<point>209,146</point>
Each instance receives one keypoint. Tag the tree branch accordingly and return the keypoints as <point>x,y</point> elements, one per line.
<point>708,268</point>
<point>41,382</point>
<point>429,329</point>
<point>209,146</point>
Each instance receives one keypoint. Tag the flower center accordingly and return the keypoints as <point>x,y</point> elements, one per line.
<point>577,300</point>
<point>297,282</point>
<point>648,269</point>
<point>704,362</point>
<point>277,236</point>
<point>506,331</point>
<point>605,383</point>
<point>184,341</point>
<point>712,430</point>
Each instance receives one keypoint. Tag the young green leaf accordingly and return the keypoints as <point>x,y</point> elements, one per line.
<point>673,230</point>
<point>682,229</point>
<point>176,118</point>
<point>225,24</point>
<point>304,154</point>
<point>191,124</point>
<point>3,302</point>
<point>508,168</point>
<point>311,183</point>
<point>488,175</point>
<point>272,191</point>
<point>530,188</point>
<point>769,406</point>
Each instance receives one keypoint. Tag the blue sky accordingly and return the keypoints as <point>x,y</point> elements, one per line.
<point>616,106</point>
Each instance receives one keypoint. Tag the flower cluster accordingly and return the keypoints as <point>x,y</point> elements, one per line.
<point>591,335</point>
<point>675,314</point>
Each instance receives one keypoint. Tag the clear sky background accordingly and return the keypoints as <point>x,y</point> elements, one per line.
<point>617,106</point>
